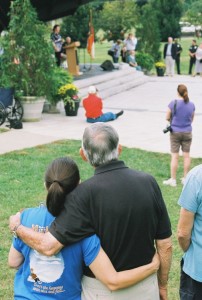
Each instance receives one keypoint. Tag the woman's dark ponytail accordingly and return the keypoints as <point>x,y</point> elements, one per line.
<point>62,176</point>
<point>55,198</point>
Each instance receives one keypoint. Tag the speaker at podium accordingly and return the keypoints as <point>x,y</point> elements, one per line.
<point>72,58</point>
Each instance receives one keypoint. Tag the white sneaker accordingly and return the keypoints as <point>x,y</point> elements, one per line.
<point>171,182</point>
<point>182,181</point>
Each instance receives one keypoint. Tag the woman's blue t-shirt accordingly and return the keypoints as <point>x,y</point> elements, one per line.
<point>54,277</point>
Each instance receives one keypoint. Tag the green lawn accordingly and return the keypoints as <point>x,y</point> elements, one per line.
<point>101,54</point>
<point>21,180</point>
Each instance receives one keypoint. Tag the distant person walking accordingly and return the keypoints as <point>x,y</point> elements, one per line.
<point>93,106</point>
<point>180,114</point>
<point>169,54</point>
<point>192,52</point>
<point>177,59</point>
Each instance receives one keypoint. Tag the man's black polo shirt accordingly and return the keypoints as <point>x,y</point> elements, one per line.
<point>123,207</point>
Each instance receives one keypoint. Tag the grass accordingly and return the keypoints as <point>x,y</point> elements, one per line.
<point>3,130</point>
<point>101,54</point>
<point>21,180</point>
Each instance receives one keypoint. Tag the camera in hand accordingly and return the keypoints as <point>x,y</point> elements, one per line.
<point>167,129</point>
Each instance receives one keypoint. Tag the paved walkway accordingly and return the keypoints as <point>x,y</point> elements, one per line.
<point>140,127</point>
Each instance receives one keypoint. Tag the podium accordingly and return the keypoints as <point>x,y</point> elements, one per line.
<point>72,58</point>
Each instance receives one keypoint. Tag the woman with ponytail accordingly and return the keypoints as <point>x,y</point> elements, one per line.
<point>59,276</point>
<point>180,114</point>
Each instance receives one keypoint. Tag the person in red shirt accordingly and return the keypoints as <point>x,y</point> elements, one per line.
<point>93,106</point>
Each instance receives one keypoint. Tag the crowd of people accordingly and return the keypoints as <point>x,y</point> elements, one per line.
<point>110,236</point>
<point>52,241</point>
<point>171,54</point>
<point>172,51</point>
<point>126,50</point>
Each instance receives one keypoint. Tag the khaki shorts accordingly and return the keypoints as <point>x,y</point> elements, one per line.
<point>182,139</point>
<point>147,289</point>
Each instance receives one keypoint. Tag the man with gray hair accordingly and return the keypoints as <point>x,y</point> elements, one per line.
<point>169,54</point>
<point>124,207</point>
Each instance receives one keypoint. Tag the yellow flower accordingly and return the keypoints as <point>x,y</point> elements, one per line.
<point>160,64</point>
<point>69,93</point>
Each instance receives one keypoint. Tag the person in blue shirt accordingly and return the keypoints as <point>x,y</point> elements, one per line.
<point>189,235</point>
<point>59,276</point>
<point>132,61</point>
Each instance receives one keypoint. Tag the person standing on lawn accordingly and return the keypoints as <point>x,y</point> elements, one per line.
<point>124,207</point>
<point>189,235</point>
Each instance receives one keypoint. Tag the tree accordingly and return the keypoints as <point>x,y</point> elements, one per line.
<point>27,58</point>
<point>77,25</point>
<point>168,15</point>
<point>149,36</point>
<point>188,4</point>
<point>117,17</point>
<point>194,13</point>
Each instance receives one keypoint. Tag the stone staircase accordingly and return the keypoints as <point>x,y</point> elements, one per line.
<point>109,83</point>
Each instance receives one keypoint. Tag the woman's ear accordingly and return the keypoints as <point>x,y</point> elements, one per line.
<point>119,149</point>
<point>81,152</point>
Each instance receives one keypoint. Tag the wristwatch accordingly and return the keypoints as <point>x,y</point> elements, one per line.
<point>14,231</point>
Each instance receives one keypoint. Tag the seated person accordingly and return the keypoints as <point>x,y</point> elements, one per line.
<point>93,106</point>
<point>132,62</point>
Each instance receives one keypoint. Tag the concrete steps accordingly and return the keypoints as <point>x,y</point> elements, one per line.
<point>110,83</point>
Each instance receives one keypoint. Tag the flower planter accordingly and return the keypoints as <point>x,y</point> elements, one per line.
<point>33,107</point>
<point>72,110</point>
<point>160,71</point>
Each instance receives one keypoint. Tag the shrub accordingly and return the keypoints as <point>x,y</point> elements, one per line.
<point>144,60</point>
<point>27,56</point>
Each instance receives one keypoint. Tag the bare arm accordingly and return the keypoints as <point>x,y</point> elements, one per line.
<point>168,114</point>
<point>164,249</point>
<point>184,228</point>
<point>15,258</point>
<point>192,117</point>
<point>44,243</point>
<point>105,272</point>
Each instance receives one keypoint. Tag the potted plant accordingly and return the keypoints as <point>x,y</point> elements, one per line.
<point>144,60</point>
<point>160,68</point>
<point>60,77</point>
<point>69,94</point>
<point>27,57</point>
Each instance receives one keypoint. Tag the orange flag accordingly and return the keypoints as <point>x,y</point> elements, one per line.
<point>90,41</point>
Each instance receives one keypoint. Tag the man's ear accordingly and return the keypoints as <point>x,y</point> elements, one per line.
<point>119,149</point>
<point>81,152</point>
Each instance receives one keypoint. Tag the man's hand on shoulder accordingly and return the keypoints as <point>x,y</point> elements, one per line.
<point>14,221</point>
<point>44,243</point>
